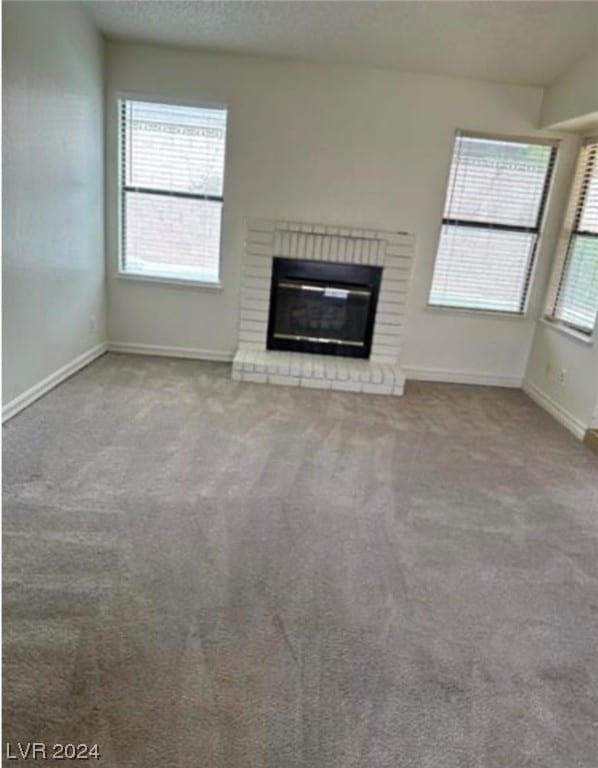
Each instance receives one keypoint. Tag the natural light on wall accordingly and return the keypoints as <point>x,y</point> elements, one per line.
<point>493,212</point>
<point>172,174</point>
<point>574,297</point>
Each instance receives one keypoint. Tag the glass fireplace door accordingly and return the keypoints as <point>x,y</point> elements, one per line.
<point>326,314</point>
<point>323,307</point>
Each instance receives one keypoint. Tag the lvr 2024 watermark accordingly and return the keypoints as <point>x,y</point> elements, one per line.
<point>37,750</point>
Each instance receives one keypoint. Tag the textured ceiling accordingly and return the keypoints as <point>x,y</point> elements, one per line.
<point>529,43</point>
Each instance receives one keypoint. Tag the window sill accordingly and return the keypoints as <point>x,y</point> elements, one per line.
<point>157,279</point>
<point>470,312</point>
<point>571,333</point>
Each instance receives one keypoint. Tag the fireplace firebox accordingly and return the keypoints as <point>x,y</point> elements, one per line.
<point>323,307</point>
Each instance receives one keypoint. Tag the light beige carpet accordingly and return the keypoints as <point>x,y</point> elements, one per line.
<point>199,572</point>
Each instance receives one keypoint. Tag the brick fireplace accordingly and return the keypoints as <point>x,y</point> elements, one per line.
<point>389,254</point>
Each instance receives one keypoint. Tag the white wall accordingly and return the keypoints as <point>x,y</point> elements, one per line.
<point>573,94</point>
<point>571,101</point>
<point>573,401</point>
<point>53,260</point>
<point>337,145</point>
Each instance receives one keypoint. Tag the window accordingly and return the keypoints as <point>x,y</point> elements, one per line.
<point>494,205</point>
<point>172,171</point>
<point>574,299</point>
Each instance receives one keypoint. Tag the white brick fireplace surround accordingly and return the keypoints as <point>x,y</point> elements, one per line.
<point>380,374</point>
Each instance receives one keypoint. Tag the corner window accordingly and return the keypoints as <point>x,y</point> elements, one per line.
<point>171,187</point>
<point>574,300</point>
<point>493,211</point>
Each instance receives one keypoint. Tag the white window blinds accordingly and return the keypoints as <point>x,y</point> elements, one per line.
<point>493,210</point>
<point>576,300</point>
<point>172,172</point>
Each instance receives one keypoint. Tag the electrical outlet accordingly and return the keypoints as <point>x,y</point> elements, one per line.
<point>548,370</point>
<point>92,324</point>
<point>562,376</point>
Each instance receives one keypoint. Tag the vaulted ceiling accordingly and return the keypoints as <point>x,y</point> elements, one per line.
<point>526,43</point>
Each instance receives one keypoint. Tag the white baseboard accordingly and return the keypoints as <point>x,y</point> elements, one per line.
<point>217,355</point>
<point>447,376</point>
<point>563,416</point>
<point>38,390</point>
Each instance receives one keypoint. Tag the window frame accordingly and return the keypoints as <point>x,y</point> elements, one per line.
<point>122,97</point>
<point>564,251</point>
<point>537,230</point>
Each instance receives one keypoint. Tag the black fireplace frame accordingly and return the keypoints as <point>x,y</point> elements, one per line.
<point>328,273</point>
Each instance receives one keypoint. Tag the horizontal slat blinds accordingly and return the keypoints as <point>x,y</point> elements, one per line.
<point>493,209</point>
<point>577,296</point>
<point>172,172</point>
